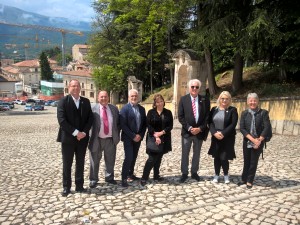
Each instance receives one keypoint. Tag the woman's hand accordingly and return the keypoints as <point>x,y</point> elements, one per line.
<point>219,135</point>
<point>157,140</point>
<point>256,142</point>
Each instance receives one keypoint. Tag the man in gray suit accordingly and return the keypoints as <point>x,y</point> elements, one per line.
<point>104,138</point>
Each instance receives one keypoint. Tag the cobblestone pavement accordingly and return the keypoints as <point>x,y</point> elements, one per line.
<point>31,183</point>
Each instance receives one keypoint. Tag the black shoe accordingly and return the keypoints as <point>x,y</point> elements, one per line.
<point>195,176</point>
<point>124,183</point>
<point>66,192</point>
<point>93,184</point>
<point>111,181</point>
<point>81,190</point>
<point>241,183</point>
<point>249,186</point>
<point>183,178</point>
<point>143,182</point>
<point>132,178</point>
<point>159,178</point>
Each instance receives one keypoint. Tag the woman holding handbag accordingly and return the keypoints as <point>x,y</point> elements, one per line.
<point>160,124</point>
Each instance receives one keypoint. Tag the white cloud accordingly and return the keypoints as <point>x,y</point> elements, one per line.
<point>80,10</point>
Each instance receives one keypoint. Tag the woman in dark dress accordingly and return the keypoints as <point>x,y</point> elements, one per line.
<point>255,126</point>
<point>160,124</point>
<point>222,122</point>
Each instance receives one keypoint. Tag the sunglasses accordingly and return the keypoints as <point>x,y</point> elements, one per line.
<point>195,87</point>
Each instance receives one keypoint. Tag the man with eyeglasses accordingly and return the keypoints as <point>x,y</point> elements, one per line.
<point>193,112</point>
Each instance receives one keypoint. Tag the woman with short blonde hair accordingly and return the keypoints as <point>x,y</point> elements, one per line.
<point>222,122</point>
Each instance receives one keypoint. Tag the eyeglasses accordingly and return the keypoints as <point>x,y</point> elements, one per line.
<point>193,87</point>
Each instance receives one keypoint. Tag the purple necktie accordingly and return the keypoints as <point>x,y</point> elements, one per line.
<point>105,120</point>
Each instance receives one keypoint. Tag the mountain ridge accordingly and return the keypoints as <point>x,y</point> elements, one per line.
<point>22,43</point>
<point>15,15</point>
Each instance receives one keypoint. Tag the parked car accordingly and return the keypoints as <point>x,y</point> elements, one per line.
<point>30,100</point>
<point>28,107</point>
<point>4,108</point>
<point>19,102</point>
<point>54,104</point>
<point>38,107</point>
<point>9,104</point>
<point>48,103</point>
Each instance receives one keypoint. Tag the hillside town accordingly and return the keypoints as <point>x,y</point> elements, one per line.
<point>22,80</point>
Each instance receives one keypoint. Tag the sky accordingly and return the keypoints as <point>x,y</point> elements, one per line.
<point>79,10</point>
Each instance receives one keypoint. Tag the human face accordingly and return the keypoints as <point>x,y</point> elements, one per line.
<point>252,103</point>
<point>224,101</point>
<point>194,89</point>
<point>159,103</point>
<point>103,98</point>
<point>74,88</point>
<point>133,97</point>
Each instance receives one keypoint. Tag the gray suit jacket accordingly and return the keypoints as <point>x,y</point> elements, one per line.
<point>94,140</point>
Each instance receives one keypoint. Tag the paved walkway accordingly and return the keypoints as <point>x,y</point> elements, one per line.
<point>30,183</point>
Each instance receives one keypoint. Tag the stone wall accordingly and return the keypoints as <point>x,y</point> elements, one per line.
<point>284,113</point>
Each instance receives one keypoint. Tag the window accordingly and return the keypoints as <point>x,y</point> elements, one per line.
<point>92,86</point>
<point>66,90</point>
<point>82,93</point>
<point>36,70</point>
<point>91,94</point>
<point>82,85</point>
<point>66,83</point>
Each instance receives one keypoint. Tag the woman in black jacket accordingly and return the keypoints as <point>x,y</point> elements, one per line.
<point>222,122</point>
<point>160,124</point>
<point>255,126</point>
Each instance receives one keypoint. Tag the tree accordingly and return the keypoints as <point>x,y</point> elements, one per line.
<point>46,72</point>
<point>133,37</point>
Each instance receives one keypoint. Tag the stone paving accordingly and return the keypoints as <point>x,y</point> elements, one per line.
<point>31,183</point>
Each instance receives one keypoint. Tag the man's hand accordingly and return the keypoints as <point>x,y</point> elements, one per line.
<point>195,130</point>
<point>137,138</point>
<point>80,135</point>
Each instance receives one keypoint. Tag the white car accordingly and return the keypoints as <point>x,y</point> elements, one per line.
<point>19,102</point>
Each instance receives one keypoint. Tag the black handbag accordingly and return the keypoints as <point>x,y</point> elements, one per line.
<point>152,146</point>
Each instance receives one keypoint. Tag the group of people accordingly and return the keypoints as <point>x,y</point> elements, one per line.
<point>76,119</point>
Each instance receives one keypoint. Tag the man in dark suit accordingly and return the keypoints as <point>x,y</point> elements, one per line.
<point>104,138</point>
<point>75,119</point>
<point>133,124</point>
<point>193,113</point>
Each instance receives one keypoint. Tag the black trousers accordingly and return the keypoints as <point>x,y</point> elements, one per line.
<point>68,152</point>
<point>131,149</point>
<point>251,157</point>
<point>153,161</point>
<point>221,161</point>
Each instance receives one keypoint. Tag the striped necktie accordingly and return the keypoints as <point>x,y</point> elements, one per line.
<point>194,107</point>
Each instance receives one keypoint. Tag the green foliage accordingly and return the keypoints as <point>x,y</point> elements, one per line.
<point>46,72</point>
<point>108,78</point>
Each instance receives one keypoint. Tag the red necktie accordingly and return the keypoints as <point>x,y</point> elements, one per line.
<point>194,107</point>
<point>105,120</point>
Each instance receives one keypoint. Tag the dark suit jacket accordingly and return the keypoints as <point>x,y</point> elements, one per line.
<point>186,116</point>
<point>128,122</point>
<point>262,122</point>
<point>94,141</point>
<point>229,132</point>
<point>70,118</point>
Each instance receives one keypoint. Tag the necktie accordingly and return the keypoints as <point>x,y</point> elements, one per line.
<point>194,107</point>
<point>105,120</point>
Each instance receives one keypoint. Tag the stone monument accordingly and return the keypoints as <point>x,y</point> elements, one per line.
<point>134,83</point>
<point>187,66</point>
